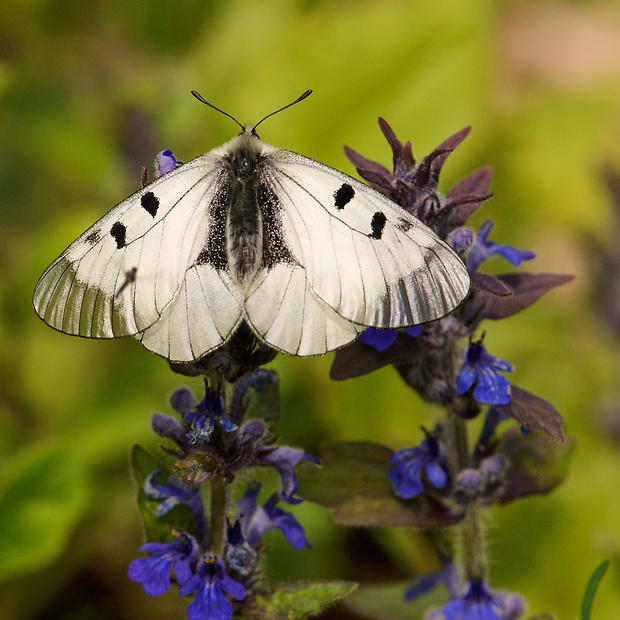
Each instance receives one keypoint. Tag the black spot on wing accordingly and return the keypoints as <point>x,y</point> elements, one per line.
<point>118,231</point>
<point>377,225</point>
<point>404,225</point>
<point>150,203</point>
<point>343,195</point>
<point>94,236</point>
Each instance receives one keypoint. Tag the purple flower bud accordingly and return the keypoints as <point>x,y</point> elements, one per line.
<point>252,431</point>
<point>182,401</point>
<point>168,427</point>
<point>240,556</point>
<point>468,485</point>
<point>461,240</point>
<point>165,162</point>
<point>492,468</point>
<point>379,339</point>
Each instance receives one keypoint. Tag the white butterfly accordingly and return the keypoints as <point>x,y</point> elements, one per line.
<point>304,254</point>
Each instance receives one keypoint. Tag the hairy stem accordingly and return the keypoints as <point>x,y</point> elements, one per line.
<point>470,532</point>
<point>219,508</point>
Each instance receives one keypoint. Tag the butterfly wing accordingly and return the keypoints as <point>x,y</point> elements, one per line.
<point>365,257</point>
<point>148,246</point>
<point>285,312</point>
<point>202,316</point>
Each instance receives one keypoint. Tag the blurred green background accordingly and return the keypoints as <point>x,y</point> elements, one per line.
<point>91,91</point>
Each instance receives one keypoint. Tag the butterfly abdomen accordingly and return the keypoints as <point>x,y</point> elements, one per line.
<point>244,223</point>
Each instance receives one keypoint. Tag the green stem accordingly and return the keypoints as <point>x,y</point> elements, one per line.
<point>470,532</point>
<point>457,441</point>
<point>219,507</point>
<point>472,542</point>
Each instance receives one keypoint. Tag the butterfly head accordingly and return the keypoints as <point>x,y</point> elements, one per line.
<point>250,130</point>
<point>244,151</point>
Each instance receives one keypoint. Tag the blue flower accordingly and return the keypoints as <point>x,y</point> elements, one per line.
<point>170,494</point>
<point>166,162</point>
<point>240,556</point>
<point>256,520</point>
<point>482,248</point>
<point>407,466</point>
<point>479,603</point>
<point>154,572</point>
<point>207,413</point>
<point>256,383</point>
<point>482,370</point>
<point>285,459</point>
<point>448,576</point>
<point>383,339</point>
<point>211,584</point>
<point>174,493</point>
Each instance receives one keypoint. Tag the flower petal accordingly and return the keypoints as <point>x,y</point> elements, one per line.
<point>465,379</point>
<point>436,475</point>
<point>379,339</point>
<point>492,388</point>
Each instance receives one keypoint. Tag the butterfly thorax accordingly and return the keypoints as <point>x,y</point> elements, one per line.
<point>244,222</point>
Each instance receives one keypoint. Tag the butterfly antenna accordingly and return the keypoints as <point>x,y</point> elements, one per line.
<point>288,105</point>
<point>203,100</point>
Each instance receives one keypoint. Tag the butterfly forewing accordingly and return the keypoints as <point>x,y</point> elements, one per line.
<point>77,293</point>
<point>365,257</point>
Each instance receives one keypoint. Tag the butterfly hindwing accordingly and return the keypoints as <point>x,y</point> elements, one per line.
<point>285,312</point>
<point>202,316</point>
<point>368,259</point>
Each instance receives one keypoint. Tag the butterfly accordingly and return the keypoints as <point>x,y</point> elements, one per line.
<point>305,255</point>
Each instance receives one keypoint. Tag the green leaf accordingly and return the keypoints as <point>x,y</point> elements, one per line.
<point>353,484</point>
<point>590,593</point>
<point>157,528</point>
<point>42,495</point>
<point>293,601</point>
